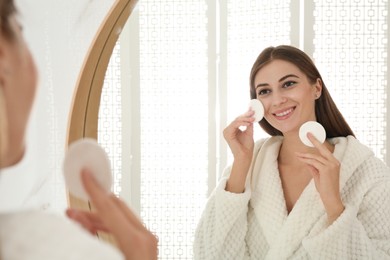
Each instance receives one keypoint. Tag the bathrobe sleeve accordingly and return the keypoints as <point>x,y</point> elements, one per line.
<point>223,226</point>
<point>37,235</point>
<point>359,233</point>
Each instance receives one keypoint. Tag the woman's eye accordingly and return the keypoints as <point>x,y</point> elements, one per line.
<point>263,92</point>
<point>289,84</point>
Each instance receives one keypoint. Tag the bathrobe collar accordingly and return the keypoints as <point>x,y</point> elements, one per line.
<point>285,232</point>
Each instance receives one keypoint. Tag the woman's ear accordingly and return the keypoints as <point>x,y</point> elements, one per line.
<point>5,60</point>
<point>3,126</point>
<point>3,46</point>
<point>318,88</point>
<point>4,136</point>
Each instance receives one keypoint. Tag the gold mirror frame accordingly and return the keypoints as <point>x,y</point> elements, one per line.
<point>83,119</point>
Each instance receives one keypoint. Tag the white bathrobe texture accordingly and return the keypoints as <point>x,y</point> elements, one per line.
<point>255,224</point>
<point>36,235</point>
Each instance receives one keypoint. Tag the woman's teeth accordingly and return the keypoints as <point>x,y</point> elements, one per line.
<point>284,112</point>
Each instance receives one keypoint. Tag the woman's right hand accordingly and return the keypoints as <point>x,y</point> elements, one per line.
<point>241,144</point>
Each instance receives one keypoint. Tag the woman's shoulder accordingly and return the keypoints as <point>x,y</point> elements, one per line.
<point>267,141</point>
<point>44,235</point>
<point>360,160</point>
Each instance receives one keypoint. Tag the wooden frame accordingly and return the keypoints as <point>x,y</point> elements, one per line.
<point>83,119</point>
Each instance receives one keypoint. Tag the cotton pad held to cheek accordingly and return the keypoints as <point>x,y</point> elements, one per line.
<point>89,155</point>
<point>258,107</point>
<point>313,127</point>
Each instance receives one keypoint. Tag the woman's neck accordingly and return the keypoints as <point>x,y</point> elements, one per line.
<point>291,144</point>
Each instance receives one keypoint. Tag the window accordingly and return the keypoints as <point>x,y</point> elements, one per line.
<point>351,50</point>
<point>180,73</point>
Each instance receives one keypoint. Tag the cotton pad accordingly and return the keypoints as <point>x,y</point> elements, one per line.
<point>86,154</point>
<point>313,127</point>
<point>258,107</point>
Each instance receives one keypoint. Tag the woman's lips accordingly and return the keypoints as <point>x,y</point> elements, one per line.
<point>282,114</point>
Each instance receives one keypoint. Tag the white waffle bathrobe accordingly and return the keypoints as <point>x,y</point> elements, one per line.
<point>255,224</point>
<point>36,235</point>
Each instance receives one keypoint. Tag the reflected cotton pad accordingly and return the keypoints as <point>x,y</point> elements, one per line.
<point>258,107</point>
<point>86,154</point>
<point>313,127</point>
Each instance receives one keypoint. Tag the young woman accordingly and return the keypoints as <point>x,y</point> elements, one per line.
<point>38,235</point>
<point>281,199</point>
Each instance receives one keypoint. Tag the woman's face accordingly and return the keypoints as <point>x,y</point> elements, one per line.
<point>287,95</point>
<point>18,80</point>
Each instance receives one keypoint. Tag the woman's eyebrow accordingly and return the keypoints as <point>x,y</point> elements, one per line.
<point>287,76</point>
<point>262,85</point>
<point>280,80</point>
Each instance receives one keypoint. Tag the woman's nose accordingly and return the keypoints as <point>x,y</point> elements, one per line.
<point>278,99</point>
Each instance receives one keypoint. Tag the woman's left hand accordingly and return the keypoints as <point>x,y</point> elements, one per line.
<point>325,169</point>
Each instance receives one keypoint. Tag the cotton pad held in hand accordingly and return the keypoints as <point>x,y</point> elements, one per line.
<point>313,127</point>
<point>86,154</point>
<point>258,107</point>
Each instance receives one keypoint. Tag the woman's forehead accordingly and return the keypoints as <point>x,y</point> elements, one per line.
<point>277,69</point>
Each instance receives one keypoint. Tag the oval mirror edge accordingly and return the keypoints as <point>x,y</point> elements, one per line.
<point>83,118</point>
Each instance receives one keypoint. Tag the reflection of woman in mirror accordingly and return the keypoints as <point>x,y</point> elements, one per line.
<point>281,199</point>
<point>37,235</point>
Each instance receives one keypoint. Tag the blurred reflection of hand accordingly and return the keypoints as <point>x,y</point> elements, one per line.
<point>114,217</point>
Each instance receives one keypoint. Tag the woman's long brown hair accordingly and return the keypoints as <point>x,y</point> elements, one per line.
<point>7,9</point>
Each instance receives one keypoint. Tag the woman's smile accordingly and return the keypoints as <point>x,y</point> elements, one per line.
<point>284,113</point>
